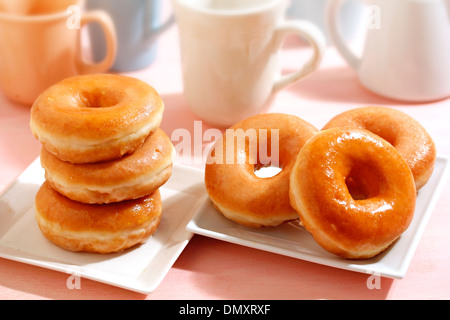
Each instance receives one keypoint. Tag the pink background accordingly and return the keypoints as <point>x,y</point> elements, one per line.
<point>212,269</point>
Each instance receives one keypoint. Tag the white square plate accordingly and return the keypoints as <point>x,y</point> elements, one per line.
<point>140,268</point>
<point>292,240</point>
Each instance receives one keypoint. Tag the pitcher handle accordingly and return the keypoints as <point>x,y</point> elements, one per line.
<point>332,23</point>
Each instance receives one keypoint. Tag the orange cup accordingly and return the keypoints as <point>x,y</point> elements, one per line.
<point>40,45</point>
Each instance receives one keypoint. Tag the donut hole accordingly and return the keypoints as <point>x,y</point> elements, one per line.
<point>100,98</point>
<point>270,159</point>
<point>363,182</point>
<point>266,171</point>
<point>261,152</point>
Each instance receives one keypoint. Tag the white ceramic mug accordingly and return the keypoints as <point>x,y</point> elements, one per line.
<point>406,55</point>
<point>229,53</point>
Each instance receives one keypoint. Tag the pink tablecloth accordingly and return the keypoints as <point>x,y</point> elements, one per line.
<point>212,269</point>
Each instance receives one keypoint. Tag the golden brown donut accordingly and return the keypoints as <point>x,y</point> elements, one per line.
<point>103,228</point>
<point>403,132</point>
<point>353,191</point>
<point>234,188</point>
<point>132,176</point>
<point>94,118</point>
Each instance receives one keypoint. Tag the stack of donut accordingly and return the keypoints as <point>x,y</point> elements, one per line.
<point>105,159</point>
<point>352,184</point>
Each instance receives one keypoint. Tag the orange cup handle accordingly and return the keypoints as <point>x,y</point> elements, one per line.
<point>107,25</point>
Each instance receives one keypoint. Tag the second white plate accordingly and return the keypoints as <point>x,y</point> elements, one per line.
<point>292,240</point>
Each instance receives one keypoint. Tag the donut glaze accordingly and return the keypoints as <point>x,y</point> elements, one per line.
<point>407,135</point>
<point>353,192</point>
<point>94,118</point>
<point>104,228</point>
<point>233,187</point>
<point>132,176</point>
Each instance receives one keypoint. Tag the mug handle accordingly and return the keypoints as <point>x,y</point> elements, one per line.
<point>107,25</point>
<point>163,27</point>
<point>331,15</point>
<point>150,32</point>
<point>315,38</point>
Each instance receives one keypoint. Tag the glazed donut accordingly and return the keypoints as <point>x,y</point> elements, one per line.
<point>132,176</point>
<point>233,187</point>
<point>107,228</point>
<point>94,118</point>
<point>403,132</point>
<point>359,194</point>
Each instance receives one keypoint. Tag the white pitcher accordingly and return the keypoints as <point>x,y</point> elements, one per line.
<point>407,48</point>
